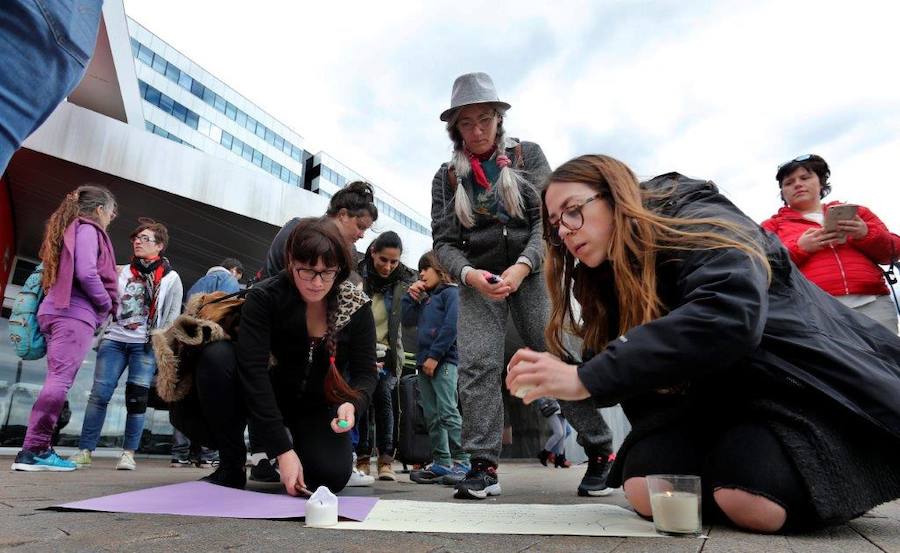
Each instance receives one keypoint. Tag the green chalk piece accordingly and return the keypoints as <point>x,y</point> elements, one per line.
<point>343,424</point>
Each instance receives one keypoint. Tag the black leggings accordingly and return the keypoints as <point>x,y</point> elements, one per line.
<point>746,457</point>
<point>326,456</point>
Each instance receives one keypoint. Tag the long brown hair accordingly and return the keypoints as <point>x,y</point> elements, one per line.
<point>429,260</point>
<point>638,234</point>
<point>81,202</point>
<point>316,238</point>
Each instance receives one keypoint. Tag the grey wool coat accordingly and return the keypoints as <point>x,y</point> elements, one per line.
<point>490,244</point>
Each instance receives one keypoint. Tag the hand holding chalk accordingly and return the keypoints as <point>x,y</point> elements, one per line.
<point>343,422</point>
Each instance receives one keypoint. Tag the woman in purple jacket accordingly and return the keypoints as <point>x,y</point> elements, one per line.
<point>80,281</point>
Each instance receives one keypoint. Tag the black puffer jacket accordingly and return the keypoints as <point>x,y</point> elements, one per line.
<point>792,353</point>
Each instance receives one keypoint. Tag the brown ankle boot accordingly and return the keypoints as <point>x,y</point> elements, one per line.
<point>363,464</point>
<point>386,469</point>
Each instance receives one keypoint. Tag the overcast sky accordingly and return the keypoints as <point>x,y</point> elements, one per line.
<point>719,90</point>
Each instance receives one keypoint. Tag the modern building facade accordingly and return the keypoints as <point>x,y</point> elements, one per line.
<point>176,144</point>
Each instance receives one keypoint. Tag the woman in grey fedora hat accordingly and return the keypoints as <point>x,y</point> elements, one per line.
<point>486,224</point>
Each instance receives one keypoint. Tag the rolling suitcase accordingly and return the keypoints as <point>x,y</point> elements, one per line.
<point>413,445</point>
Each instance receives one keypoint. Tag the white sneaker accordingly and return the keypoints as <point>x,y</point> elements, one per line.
<point>358,479</point>
<point>126,462</point>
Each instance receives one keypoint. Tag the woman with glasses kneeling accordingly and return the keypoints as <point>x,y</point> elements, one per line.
<point>299,332</point>
<point>729,363</point>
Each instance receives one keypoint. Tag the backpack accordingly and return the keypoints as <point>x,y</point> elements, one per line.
<point>24,331</point>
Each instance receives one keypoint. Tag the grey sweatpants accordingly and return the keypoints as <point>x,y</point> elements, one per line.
<point>481,332</point>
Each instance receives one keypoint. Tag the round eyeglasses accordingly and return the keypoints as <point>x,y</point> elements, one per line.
<point>571,218</point>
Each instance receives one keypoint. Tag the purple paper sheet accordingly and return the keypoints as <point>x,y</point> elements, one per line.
<point>203,499</point>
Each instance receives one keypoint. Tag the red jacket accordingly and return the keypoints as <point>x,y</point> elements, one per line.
<point>840,269</point>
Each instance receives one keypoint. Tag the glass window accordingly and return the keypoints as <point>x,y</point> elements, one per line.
<point>165,103</point>
<point>152,95</point>
<point>197,89</point>
<point>247,153</point>
<point>172,72</point>
<point>241,119</point>
<point>179,112</point>
<point>149,126</point>
<point>142,86</point>
<point>267,164</point>
<point>219,103</point>
<point>159,64</point>
<point>237,146</point>
<point>192,120</point>
<point>295,153</point>
<point>185,81</point>
<point>160,132</point>
<point>260,130</point>
<point>145,55</point>
<point>251,124</point>
<point>295,179</point>
<point>230,111</point>
<point>227,140</point>
<point>257,158</point>
<point>209,96</point>
<point>270,136</point>
<point>279,142</point>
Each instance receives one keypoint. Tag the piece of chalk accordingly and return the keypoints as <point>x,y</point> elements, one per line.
<point>343,424</point>
<point>522,391</point>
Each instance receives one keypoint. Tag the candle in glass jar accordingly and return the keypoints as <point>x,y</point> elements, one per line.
<point>676,512</point>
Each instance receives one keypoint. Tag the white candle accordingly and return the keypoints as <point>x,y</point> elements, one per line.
<point>676,512</point>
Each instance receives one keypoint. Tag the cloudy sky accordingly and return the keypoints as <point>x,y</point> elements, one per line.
<point>721,90</point>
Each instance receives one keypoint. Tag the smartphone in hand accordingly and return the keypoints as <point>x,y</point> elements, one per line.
<point>493,279</point>
<point>836,213</point>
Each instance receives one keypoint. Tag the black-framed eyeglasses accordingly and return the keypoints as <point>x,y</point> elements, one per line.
<point>143,238</point>
<point>804,157</point>
<point>571,218</point>
<point>328,275</point>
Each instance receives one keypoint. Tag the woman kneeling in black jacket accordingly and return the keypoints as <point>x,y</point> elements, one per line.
<point>299,332</point>
<point>728,362</point>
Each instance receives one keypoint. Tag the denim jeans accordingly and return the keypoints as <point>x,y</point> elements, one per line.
<point>112,359</point>
<point>45,46</point>
<point>439,405</point>
<point>382,410</point>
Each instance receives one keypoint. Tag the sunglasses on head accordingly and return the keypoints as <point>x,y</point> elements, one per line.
<point>804,157</point>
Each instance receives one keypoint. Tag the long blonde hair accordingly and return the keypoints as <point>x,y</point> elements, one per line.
<point>81,202</point>
<point>508,181</point>
<point>638,234</point>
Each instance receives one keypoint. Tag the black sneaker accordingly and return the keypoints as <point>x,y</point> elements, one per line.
<point>432,474</point>
<point>264,471</point>
<point>594,482</point>
<point>480,482</point>
<point>230,477</point>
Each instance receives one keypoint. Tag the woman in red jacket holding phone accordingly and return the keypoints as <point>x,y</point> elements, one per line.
<point>843,261</point>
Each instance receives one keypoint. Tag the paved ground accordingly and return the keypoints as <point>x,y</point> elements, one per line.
<point>24,528</point>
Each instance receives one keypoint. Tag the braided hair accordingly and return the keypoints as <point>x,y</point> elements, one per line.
<point>317,239</point>
<point>508,181</point>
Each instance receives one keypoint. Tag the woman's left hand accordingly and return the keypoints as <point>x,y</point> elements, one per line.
<point>854,228</point>
<point>345,412</point>
<point>514,276</point>
<point>549,376</point>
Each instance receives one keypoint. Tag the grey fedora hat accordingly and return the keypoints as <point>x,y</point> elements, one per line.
<point>472,88</point>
